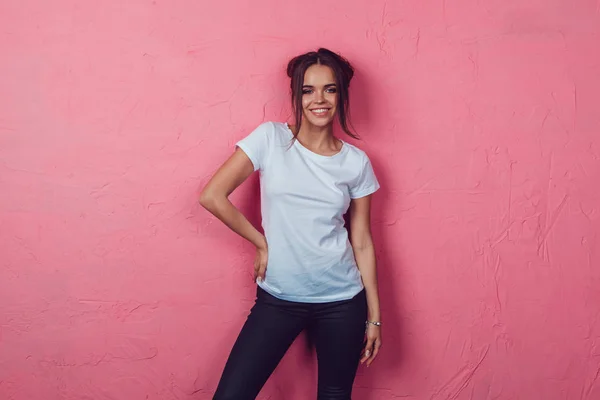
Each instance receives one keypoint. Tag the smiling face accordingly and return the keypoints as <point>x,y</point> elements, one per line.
<point>319,95</point>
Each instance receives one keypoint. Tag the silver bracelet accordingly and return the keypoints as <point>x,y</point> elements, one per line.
<point>376,323</point>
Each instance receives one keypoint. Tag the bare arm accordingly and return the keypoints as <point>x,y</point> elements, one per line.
<point>215,199</point>
<point>364,252</point>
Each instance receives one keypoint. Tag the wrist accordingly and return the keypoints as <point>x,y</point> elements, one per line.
<point>262,243</point>
<point>374,316</point>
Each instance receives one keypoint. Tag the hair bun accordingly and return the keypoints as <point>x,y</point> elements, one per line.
<point>293,64</point>
<point>344,64</point>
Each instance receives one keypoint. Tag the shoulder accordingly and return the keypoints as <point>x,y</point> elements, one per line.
<point>357,155</point>
<point>273,129</point>
<point>365,182</point>
<point>280,128</point>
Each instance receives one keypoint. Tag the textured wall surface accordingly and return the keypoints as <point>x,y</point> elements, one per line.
<point>482,119</point>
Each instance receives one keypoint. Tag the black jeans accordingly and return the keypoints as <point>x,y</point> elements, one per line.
<point>337,329</point>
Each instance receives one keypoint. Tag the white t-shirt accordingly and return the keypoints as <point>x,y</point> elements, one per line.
<point>304,197</point>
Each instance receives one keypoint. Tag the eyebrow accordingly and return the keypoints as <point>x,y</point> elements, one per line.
<point>311,86</point>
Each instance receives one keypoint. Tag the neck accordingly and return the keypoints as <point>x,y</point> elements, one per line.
<point>317,137</point>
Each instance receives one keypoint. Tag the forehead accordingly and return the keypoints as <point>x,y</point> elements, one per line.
<point>318,74</point>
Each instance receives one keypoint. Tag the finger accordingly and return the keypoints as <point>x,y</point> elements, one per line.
<point>262,270</point>
<point>255,271</point>
<point>375,352</point>
<point>367,351</point>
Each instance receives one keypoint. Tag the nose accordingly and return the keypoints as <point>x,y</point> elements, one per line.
<point>320,96</point>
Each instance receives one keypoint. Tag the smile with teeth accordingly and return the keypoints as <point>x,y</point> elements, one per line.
<point>320,111</point>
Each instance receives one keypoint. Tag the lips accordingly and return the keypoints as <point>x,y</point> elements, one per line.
<point>320,112</point>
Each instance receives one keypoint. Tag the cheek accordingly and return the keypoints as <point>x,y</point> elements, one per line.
<point>332,99</point>
<point>305,101</point>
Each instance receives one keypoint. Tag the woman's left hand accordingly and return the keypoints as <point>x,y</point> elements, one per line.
<point>373,344</point>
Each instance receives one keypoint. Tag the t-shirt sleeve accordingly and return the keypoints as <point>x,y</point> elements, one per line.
<point>366,183</point>
<point>256,145</point>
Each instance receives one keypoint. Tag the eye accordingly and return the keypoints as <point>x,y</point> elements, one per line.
<point>331,90</point>
<point>306,91</point>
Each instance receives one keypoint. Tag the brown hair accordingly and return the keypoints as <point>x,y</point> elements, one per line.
<point>343,72</point>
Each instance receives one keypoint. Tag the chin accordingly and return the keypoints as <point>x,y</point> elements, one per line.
<point>321,123</point>
<point>318,122</point>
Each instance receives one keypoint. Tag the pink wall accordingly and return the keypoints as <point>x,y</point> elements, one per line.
<point>482,120</point>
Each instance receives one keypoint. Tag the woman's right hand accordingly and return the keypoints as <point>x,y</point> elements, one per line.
<point>260,262</point>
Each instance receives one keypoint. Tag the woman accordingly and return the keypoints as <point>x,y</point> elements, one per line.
<point>311,274</point>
